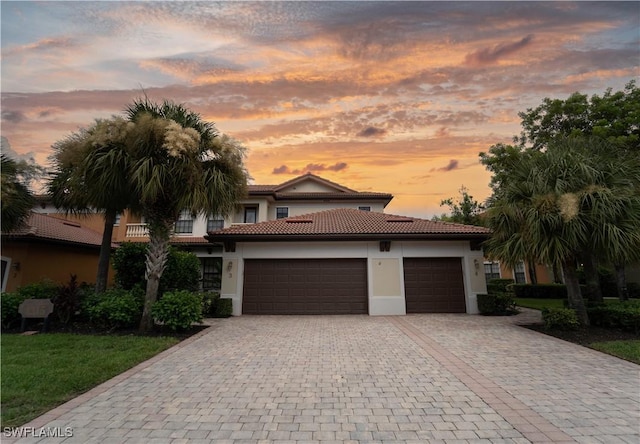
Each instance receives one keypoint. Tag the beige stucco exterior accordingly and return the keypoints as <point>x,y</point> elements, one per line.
<point>385,269</point>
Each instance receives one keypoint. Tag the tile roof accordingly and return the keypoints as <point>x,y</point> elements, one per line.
<point>175,240</point>
<point>43,227</point>
<point>347,223</point>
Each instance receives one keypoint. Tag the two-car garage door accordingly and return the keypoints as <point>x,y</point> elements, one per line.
<point>339,286</point>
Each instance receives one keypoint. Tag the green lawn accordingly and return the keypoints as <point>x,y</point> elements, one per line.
<point>42,371</point>
<point>539,304</point>
<point>629,350</point>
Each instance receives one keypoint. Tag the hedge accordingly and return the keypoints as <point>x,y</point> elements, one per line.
<point>540,291</point>
<point>623,315</point>
<point>497,304</point>
<point>499,285</point>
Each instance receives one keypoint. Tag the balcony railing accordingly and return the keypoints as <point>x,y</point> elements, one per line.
<point>137,230</point>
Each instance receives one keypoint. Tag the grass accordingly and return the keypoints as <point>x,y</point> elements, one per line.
<point>42,371</point>
<point>629,350</point>
<point>539,304</point>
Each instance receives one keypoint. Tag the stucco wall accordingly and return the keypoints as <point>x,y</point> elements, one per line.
<point>53,262</point>
<point>385,269</point>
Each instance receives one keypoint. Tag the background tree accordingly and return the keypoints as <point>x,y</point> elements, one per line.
<point>565,204</point>
<point>614,116</point>
<point>17,200</point>
<point>463,210</point>
<point>176,164</point>
<point>90,173</point>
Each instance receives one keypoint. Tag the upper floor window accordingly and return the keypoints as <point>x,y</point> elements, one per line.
<point>250,215</point>
<point>215,224</point>
<point>364,208</point>
<point>117,221</point>
<point>184,224</point>
<point>519,274</point>
<point>491,270</point>
<point>282,212</point>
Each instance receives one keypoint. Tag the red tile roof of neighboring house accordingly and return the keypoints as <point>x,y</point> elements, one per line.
<point>47,228</point>
<point>346,223</point>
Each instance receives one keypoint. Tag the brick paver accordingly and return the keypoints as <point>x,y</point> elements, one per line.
<point>361,379</point>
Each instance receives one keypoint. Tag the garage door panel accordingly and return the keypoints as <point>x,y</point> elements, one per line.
<point>434,285</point>
<point>305,286</point>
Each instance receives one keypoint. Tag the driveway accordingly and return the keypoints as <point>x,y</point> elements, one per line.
<point>417,378</point>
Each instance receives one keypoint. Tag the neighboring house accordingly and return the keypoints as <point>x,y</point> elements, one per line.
<point>521,273</point>
<point>49,248</point>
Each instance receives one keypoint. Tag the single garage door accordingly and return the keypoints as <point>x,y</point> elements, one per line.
<point>305,286</point>
<point>434,285</point>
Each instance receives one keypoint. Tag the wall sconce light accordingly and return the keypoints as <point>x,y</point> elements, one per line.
<point>476,265</point>
<point>16,266</point>
<point>229,266</point>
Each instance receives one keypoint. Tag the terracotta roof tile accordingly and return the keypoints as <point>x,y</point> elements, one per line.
<point>350,222</point>
<point>41,226</point>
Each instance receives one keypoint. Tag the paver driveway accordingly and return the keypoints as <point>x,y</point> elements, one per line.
<point>418,378</point>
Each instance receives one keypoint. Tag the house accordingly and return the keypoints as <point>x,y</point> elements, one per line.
<point>49,248</point>
<point>311,246</point>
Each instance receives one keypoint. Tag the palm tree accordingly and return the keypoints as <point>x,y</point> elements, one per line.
<point>17,199</point>
<point>90,173</point>
<point>177,164</point>
<point>561,204</point>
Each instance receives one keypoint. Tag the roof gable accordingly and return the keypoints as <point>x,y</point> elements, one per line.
<point>310,183</point>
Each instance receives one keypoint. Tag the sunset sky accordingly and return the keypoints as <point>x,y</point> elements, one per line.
<point>396,97</point>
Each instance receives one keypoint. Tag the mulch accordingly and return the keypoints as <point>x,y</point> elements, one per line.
<point>586,336</point>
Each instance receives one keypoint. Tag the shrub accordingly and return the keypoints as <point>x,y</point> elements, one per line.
<point>67,301</point>
<point>623,315</point>
<point>129,264</point>
<point>224,308</point>
<point>182,271</point>
<point>496,304</point>
<point>178,310</point>
<point>115,308</point>
<point>499,285</point>
<point>540,291</point>
<point>45,289</point>
<point>9,306</point>
<point>10,302</point>
<point>560,319</point>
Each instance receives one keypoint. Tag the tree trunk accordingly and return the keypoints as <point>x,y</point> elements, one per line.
<point>592,279</point>
<point>573,291</point>
<point>105,251</point>
<point>157,254</point>
<point>621,282</point>
<point>533,277</point>
<point>557,273</point>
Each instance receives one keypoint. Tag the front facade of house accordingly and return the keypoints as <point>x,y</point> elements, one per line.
<point>311,246</point>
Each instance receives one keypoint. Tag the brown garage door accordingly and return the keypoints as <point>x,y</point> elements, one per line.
<point>434,285</point>
<point>305,286</point>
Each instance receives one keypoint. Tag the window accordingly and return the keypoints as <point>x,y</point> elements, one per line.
<point>250,215</point>
<point>519,274</point>
<point>282,212</point>
<point>211,273</point>
<point>215,224</point>
<point>184,224</point>
<point>117,221</point>
<point>364,208</point>
<point>6,266</point>
<point>491,270</point>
